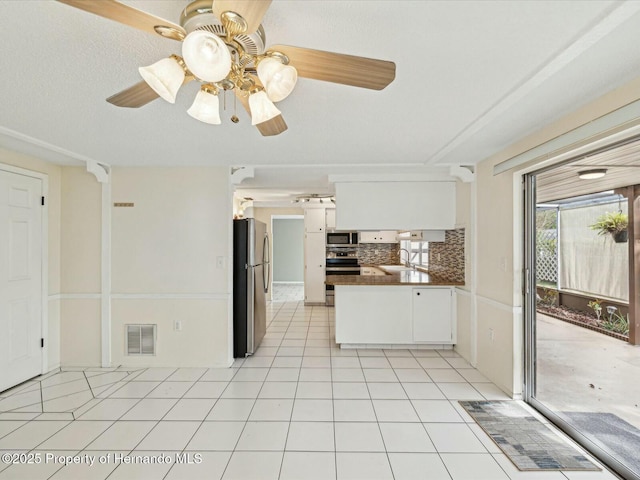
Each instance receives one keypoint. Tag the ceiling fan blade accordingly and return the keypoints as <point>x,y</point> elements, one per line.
<point>251,10</point>
<point>339,68</point>
<point>272,127</point>
<point>119,12</point>
<point>137,95</point>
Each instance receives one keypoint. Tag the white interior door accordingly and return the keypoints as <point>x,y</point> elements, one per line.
<point>20,278</point>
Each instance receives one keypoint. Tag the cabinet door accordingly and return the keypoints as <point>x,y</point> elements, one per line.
<point>385,236</point>
<point>314,219</point>
<point>432,315</point>
<point>367,237</point>
<point>388,236</point>
<point>314,267</point>
<point>331,218</point>
<point>373,314</point>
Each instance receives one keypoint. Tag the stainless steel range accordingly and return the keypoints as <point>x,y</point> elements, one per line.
<point>341,260</point>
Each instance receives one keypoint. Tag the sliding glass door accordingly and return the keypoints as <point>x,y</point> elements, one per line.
<point>582,370</point>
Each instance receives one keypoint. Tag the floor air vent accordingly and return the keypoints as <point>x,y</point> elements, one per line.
<point>141,340</point>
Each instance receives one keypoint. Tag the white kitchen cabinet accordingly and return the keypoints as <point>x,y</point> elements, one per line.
<point>330,218</point>
<point>396,205</point>
<point>432,315</point>
<point>378,314</point>
<point>394,314</point>
<point>427,235</point>
<point>314,267</point>
<point>384,236</point>
<point>314,220</point>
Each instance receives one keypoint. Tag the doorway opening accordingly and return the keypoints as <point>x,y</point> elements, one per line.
<point>582,358</point>
<point>287,258</point>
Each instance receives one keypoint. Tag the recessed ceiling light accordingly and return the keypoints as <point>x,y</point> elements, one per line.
<point>592,174</point>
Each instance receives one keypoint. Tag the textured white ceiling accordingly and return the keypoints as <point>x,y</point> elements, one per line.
<point>472,77</point>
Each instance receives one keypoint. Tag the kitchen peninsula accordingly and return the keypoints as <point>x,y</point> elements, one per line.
<point>399,307</point>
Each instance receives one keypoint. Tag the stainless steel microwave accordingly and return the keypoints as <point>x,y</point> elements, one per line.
<point>337,239</point>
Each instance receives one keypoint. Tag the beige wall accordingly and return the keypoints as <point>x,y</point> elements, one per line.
<point>53,173</point>
<point>464,313</point>
<point>264,215</point>
<point>163,262</point>
<point>499,262</point>
<point>80,254</point>
<point>164,254</point>
<point>81,229</point>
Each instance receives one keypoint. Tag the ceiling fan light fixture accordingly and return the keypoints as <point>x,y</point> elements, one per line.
<point>165,77</point>
<point>592,174</point>
<point>206,56</point>
<point>206,106</point>
<point>278,79</point>
<point>262,109</point>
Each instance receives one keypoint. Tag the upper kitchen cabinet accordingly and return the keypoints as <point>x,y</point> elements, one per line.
<point>396,205</point>
<point>378,237</point>
<point>331,218</point>
<point>314,220</point>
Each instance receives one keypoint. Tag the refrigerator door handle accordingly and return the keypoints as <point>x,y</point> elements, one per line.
<point>266,272</point>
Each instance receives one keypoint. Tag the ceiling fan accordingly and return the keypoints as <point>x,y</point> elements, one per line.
<point>223,47</point>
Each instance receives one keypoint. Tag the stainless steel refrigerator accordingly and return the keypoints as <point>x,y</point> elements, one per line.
<point>251,277</point>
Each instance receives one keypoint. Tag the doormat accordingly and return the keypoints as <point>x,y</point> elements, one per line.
<point>619,438</point>
<point>529,443</point>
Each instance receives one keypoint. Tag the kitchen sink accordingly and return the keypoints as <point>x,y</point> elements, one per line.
<point>395,268</point>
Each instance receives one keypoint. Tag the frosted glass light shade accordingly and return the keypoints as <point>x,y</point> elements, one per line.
<point>278,79</point>
<point>206,108</point>
<point>165,77</point>
<point>206,56</point>
<point>262,109</point>
<point>592,174</point>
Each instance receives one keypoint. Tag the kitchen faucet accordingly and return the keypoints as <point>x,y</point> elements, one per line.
<point>408,262</point>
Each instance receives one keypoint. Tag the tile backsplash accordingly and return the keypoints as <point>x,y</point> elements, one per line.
<point>379,253</point>
<point>447,258</point>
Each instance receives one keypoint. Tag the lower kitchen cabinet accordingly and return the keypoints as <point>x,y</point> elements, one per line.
<point>432,315</point>
<point>378,314</point>
<point>387,315</point>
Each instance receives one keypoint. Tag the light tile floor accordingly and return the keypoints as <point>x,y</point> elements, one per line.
<point>300,409</point>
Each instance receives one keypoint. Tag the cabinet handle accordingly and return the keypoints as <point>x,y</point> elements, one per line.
<point>417,293</point>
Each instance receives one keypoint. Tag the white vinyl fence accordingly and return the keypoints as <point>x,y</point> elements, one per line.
<point>590,263</point>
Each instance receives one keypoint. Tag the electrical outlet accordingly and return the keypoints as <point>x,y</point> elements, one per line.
<point>177,326</point>
<point>219,262</point>
<point>491,334</point>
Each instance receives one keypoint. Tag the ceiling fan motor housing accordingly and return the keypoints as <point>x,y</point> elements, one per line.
<point>199,15</point>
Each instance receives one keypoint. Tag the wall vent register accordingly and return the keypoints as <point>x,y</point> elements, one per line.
<point>141,340</point>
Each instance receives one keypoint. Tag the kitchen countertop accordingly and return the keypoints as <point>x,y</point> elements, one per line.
<point>409,277</point>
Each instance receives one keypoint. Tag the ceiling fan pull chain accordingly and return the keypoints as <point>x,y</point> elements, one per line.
<point>234,117</point>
